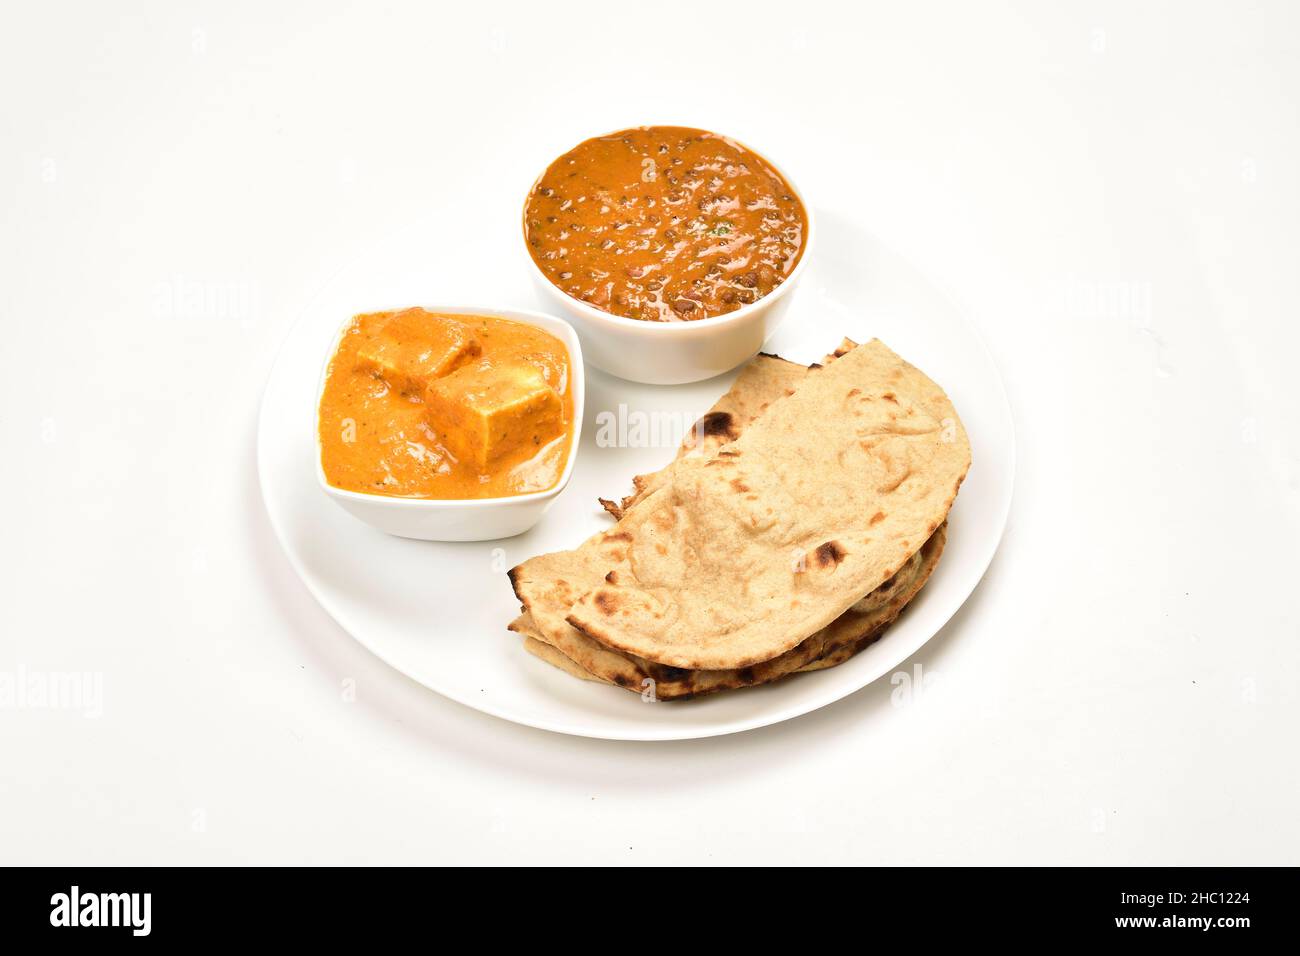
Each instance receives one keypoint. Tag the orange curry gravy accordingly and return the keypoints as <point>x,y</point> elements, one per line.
<point>664,223</point>
<point>420,405</point>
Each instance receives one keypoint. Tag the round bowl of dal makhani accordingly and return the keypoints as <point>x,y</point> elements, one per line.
<point>673,251</point>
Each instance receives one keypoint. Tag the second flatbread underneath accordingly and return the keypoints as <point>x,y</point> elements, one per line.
<point>553,657</point>
<point>854,630</point>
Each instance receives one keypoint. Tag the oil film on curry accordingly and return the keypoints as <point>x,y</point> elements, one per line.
<point>797,519</point>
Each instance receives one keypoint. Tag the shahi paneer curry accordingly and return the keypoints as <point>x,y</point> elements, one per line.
<point>664,223</point>
<point>423,405</point>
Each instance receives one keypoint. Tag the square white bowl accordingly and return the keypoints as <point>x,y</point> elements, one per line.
<point>474,519</point>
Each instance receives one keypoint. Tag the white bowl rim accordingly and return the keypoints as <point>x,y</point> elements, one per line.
<point>600,315</point>
<point>577,384</point>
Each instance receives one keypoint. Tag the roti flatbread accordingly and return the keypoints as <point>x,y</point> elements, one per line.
<point>733,561</point>
<point>852,631</point>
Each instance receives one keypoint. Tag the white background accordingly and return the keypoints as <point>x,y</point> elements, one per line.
<point>1108,190</point>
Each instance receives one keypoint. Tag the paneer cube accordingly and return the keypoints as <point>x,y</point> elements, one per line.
<point>414,347</point>
<point>484,414</point>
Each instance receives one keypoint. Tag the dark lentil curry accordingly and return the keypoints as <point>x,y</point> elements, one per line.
<point>664,223</point>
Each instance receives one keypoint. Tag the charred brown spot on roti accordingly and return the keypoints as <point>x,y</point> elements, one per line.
<point>716,424</point>
<point>664,674</point>
<point>865,642</point>
<point>605,603</point>
<point>829,554</point>
<point>878,517</point>
<point>890,397</point>
<point>611,577</point>
<point>619,536</point>
<point>739,485</point>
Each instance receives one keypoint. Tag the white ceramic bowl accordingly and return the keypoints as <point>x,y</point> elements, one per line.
<point>480,519</point>
<point>673,353</point>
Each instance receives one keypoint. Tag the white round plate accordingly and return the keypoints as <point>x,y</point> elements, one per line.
<point>438,612</point>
